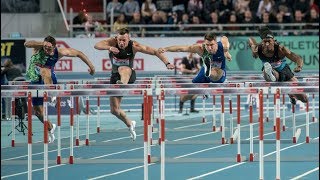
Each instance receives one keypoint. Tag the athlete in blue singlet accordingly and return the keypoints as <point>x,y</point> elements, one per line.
<point>213,55</point>
<point>41,69</point>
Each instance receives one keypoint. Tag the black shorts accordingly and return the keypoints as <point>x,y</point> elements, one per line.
<point>116,76</point>
<point>285,74</point>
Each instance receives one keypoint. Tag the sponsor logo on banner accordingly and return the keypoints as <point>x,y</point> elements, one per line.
<point>63,65</point>
<point>138,64</point>
<point>65,107</point>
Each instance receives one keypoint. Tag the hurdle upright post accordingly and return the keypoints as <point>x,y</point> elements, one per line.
<point>145,133</point>
<point>261,149</point>
<point>78,121</point>
<point>213,113</point>
<point>45,135</point>
<point>307,120</point>
<point>162,151</point>
<point>98,114</point>
<point>29,136</point>
<point>13,118</point>
<point>87,111</point>
<point>222,129</point>
<point>231,119</point>
<point>278,130</point>
<point>283,112</point>
<point>71,128</point>
<point>58,128</point>
<point>238,128</point>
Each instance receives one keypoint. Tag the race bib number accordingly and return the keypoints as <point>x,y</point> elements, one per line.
<point>216,64</point>
<point>120,62</point>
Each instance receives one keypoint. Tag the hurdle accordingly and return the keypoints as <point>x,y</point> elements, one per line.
<point>178,91</point>
<point>209,85</point>
<point>286,90</point>
<point>284,84</point>
<point>65,93</point>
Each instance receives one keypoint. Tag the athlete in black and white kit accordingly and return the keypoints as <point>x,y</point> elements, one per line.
<point>273,56</point>
<point>122,51</point>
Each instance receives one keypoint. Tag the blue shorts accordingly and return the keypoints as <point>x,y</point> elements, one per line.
<point>39,101</point>
<point>201,78</point>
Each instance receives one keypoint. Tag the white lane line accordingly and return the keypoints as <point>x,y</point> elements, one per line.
<point>306,173</point>
<point>11,175</point>
<point>108,155</point>
<point>238,164</point>
<point>196,152</point>
<point>118,172</point>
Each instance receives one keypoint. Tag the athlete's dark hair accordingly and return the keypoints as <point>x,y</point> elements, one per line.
<point>51,40</point>
<point>210,36</point>
<point>123,31</point>
<point>265,32</point>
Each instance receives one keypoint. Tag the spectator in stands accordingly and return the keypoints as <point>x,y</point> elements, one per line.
<point>248,19</point>
<point>137,31</point>
<point>303,6</point>
<point>184,21</point>
<point>173,18</point>
<point>117,9</point>
<point>156,20</point>
<point>195,20</point>
<point>147,9</point>
<point>195,7</point>
<point>189,65</point>
<point>313,18</point>
<point>179,6</point>
<point>209,6</point>
<point>80,19</point>
<point>214,21</point>
<point>264,6</point>
<point>298,18</point>
<point>164,5</point>
<point>286,13</point>
<point>130,7</point>
<point>120,23</point>
<point>280,20</point>
<point>12,72</point>
<point>225,8</point>
<point>93,28</point>
<point>232,20</point>
<point>265,19</point>
<point>241,6</point>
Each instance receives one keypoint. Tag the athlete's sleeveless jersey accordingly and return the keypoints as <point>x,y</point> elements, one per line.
<point>40,59</point>
<point>51,60</point>
<point>275,61</point>
<point>123,58</point>
<point>218,59</point>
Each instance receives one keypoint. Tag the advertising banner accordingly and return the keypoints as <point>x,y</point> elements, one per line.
<point>305,46</point>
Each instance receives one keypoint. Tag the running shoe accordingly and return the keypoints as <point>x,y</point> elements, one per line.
<point>293,100</point>
<point>194,111</point>
<point>207,66</point>
<point>132,130</point>
<point>51,133</point>
<point>54,101</point>
<point>268,70</point>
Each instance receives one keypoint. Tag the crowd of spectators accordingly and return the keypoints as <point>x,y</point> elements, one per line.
<point>195,12</point>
